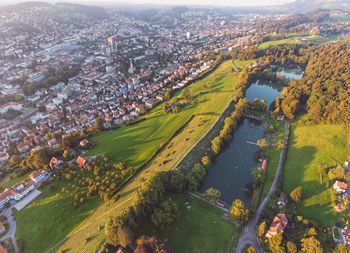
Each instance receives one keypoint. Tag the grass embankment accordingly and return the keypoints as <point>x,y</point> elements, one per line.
<point>273,155</point>
<point>199,229</point>
<point>135,145</point>
<point>312,148</point>
<point>242,63</point>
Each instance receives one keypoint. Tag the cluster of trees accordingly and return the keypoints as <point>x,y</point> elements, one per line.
<point>101,178</point>
<point>323,90</point>
<point>258,105</point>
<point>52,77</point>
<point>291,55</point>
<point>150,203</point>
<point>230,124</point>
<point>308,243</point>
<point>165,214</point>
<point>290,24</point>
<point>40,159</point>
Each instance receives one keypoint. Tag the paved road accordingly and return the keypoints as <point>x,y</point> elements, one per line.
<point>12,231</point>
<point>248,235</point>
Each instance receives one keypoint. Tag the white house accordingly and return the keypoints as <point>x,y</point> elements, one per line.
<point>38,176</point>
<point>340,187</point>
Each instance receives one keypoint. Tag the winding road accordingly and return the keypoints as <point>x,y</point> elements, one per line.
<point>248,235</point>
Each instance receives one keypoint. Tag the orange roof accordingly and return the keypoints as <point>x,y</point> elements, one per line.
<point>278,225</point>
<point>80,161</point>
<point>341,185</point>
<point>53,161</point>
<point>2,249</point>
<point>35,174</point>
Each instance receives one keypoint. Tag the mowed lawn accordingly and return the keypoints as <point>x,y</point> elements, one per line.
<point>199,229</point>
<point>310,148</point>
<point>135,145</point>
<point>47,220</point>
<point>292,40</point>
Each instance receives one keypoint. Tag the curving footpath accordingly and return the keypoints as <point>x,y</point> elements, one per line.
<point>248,235</point>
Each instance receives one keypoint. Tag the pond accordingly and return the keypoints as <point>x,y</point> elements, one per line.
<point>263,90</point>
<point>291,73</point>
<point>230,173</point>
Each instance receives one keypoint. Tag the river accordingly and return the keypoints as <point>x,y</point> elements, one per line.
<point>230,172</point>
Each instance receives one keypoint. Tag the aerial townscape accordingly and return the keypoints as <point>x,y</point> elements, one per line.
<point>183,127</point>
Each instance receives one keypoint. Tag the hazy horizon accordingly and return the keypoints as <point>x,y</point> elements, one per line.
<point>169,2</point>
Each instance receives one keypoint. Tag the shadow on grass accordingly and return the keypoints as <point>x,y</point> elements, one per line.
<point>301,169</point>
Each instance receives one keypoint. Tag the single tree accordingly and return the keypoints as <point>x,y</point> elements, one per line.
<point>296,194</point>
<point>212,194</point>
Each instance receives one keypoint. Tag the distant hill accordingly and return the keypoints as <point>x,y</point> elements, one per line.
<point>312,5</point>
<point>58,8</point>
<point>92,11</point>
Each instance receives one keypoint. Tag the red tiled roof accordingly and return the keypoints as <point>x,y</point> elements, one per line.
<point>278,225</point>
<point>80,161</point>
<point>341,185</point>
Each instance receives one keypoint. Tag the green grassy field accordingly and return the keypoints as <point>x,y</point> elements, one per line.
<point>292,40</point>
<point>311,148</point>
<point>200,229</point>
<point>47,220</point>
<point>134,144</point>
<point>242,63</point>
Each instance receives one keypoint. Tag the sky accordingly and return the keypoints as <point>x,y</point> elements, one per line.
<point>201,2</point>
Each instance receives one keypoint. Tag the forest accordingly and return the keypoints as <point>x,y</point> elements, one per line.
<point>324,90</point>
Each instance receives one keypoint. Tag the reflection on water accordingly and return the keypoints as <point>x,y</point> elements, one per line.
<point>230,173</point>
<point>262,90</point>
<point>291,73</point>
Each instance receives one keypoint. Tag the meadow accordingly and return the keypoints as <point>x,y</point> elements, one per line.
<point>197,222</point>
<point>311,149</point>
<point>292,40</point>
